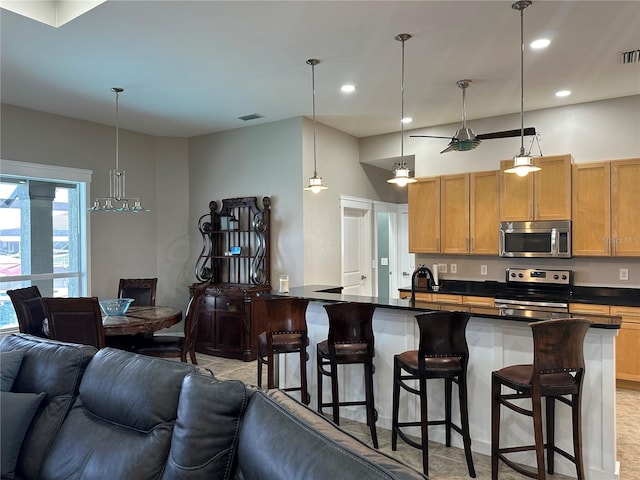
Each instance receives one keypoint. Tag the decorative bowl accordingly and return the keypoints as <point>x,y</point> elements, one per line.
<point>116,306</point>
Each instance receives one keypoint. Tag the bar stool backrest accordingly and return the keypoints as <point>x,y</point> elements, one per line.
<point>286,315</point>
<point>443,334</point>
<point>350,323</point>
<point>558,347</point>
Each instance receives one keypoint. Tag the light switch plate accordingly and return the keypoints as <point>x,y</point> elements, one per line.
<point>454,268</point>
<point>442,268</point>
<point>483,270</point>
<point>624,274</point>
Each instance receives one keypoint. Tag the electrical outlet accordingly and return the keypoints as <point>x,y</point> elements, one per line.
<point>454,268</point>
<point>483,269</point>
<point>624,274</point>
<point>442,268</point>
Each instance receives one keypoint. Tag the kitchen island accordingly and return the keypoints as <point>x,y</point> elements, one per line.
<point>495,339</point>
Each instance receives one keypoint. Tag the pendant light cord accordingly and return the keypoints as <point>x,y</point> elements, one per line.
<point>313,89</point>
<point>117,129</point>
<point>402,110</point>
<point>522,80</point>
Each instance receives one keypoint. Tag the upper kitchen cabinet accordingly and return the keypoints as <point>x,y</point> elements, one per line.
<point>484,212</point>
<point>625,208</point>
<point>454,213</point>
<point>424,215</point>
<point>543,195</point>
<point>591,209</point>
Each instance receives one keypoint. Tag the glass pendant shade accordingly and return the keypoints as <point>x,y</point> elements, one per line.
<point>522,166</point>
<point>315,184</point>
<point>117,200</point>
<point>401,176</point>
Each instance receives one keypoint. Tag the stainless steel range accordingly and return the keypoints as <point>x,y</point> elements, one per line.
<point>536,289</point>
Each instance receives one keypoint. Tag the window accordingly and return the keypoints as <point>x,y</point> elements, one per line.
<point>43,232</point>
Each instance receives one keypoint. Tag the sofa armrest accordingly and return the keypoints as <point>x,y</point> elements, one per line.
<point>280,438</point>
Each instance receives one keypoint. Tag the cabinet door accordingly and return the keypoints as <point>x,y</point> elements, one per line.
<point>591,209</point>
<point>552,188</point>
<point>516,195</point>
<point>625,207</point>
<point>484,212</point>
<point>628,344</point>
<point>454,213</point>
<point>424,215</point>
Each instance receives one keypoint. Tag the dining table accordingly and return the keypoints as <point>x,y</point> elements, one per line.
<point>142,319</point>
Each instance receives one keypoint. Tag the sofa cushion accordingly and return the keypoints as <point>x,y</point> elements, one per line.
<point>54,368</point>
<point>17,411</point>
<point>206,432</point>
<point>124,414</point>
<point>9,367</point>
<point>282,439</point>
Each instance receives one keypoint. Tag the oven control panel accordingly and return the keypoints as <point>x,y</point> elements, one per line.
<point>540,276</point>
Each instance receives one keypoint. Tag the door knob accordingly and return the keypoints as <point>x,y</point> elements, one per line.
<point>363,277</point>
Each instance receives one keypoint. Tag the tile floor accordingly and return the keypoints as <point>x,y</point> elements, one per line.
<point>449,463</point>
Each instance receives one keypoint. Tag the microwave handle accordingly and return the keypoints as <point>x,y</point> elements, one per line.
<point>554,242</point>
<point>503,243</point>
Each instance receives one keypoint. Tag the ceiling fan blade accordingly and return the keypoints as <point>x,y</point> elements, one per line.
<point>448,149</point>
<point>506,134</point>
<point>430,136</point>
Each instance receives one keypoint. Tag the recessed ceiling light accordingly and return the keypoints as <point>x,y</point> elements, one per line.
<point>407,120</point>
<point>563,93</point>
<point>540,43</point>
<point>348,88</point>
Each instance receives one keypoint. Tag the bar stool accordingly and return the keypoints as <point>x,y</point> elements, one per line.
<point>442,353</point>
<point>350,341</point>
<point>557,371</point>
<point>286,332</point>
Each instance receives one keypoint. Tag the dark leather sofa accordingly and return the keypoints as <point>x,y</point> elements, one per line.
<point>118,415</point>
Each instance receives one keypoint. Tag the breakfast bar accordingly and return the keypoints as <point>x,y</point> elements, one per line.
<point>497,337</point>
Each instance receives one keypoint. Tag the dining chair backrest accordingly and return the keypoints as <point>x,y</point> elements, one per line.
<point>27,302</point>
<point>75,320</point>
<point>142,290</point>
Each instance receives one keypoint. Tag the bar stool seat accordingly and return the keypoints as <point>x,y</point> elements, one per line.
<point>350,341</point>
<point>442,353</point>
<point>286,332</point>
<point>557,371</point>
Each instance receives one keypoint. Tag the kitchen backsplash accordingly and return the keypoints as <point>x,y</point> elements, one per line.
<point>588,272</point>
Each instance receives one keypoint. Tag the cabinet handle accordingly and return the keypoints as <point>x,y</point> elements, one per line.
<point>473,245</point>
<point>466,244</point>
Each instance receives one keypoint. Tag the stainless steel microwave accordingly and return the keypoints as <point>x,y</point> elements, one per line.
<point>536,239</point>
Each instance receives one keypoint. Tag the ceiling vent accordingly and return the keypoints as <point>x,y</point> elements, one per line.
<point>250,116</point>
<point>630,56</point>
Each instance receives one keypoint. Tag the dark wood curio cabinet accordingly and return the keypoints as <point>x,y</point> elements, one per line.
<point>235,263</point>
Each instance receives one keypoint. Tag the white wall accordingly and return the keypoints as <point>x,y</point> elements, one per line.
<point>122,245</point>
<point>591,132</point>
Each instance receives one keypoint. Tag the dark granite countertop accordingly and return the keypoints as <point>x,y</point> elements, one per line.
<point>328,293</point>
<point>628,297</point>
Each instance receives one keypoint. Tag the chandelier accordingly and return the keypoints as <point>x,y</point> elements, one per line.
<point>117,200</point>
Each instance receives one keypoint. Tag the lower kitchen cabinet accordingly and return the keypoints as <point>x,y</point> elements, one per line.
<point>231,321</point>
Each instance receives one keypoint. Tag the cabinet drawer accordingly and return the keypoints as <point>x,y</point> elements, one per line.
<point>478,301</point>
<point>403,294</point>
<point>628,314</point>
<point>423,297</point>
<point>588,309</point>
<point>228,304</point>
<point>447,298</point>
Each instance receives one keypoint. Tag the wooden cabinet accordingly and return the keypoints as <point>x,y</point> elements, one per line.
<point>606,208</point>
<point>591,209</point>
<point>625,207</point>
<point>454,213</point>
<point>543,195</point>
<point>424,215</point>
<point>484,212</point>
<point>235,263</point>
<point>628,344</point>
<point>588,309</point>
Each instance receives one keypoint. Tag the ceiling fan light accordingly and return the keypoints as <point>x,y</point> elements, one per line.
<point>522,166</point>
<point>315,184</point>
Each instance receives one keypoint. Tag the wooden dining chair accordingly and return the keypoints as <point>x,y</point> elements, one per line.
<point>142,290</point>
<point>75,320</point>
<point>27,302</point>
<point>177,346</point>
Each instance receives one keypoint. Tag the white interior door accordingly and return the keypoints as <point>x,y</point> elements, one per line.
<point>356,246</point>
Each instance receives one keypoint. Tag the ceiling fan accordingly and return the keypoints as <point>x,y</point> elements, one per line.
<point>464,139</point>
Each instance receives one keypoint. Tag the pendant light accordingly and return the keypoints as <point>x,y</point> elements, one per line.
<point>401,176</point>
<point>117,200</point>
<point>522,164</point>
<point>315,182</point>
